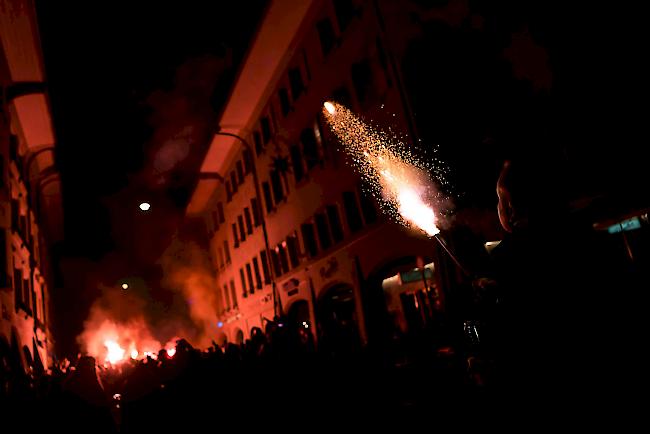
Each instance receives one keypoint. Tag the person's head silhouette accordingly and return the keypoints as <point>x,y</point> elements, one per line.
<point>531,192</point>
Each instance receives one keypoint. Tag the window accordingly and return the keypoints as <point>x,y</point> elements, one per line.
<point>276,183</point>
<point>249,274</point>
<point>228,192</point>
<point>227,296</point>
<point>352,211</point>
<point>15,210</point>
<point>309,238</point>
<point>4,275</point>
<point>296,161</point>
<point>242,232</point>
<point>233,181</point>
<point>27,295</point>
<point>321,138</point>
<point>13,148</point>
<point>243,283</point>
<point>31,237</point>
<point>326,35</point>
<point>22,219</point>
<point>294,250</point>
<point>226,252</point>
<point>295,81</point>
<point>247,218</point>
<point>41,306</point>
<point>342,95</point>
<point>335,223</point>
<point>275,260</point>
<point>222,219</point>
<point>344,10</point>
<point>310,147</point>
<point>285,104</point>
<point>240,172</point>
<point>266,129</point>
<point>248,162</point>
<point>304,58</point>
<point>284,260</point>
<point>44,304</point>
<point>259,148</point>
<point>220,262</point>
<point>35,298</point>
<point>367,208</point>
<point>265,267</point>
<point>18,287</point>
<point>258,277</point>
<point>266,188</point>
<point>317,131</point>
<point>323,231</point>
<point>255,206</point>
<point>28,228</point>
<point>233,294</point>
<point>362,79</point>
<point>235,237</point>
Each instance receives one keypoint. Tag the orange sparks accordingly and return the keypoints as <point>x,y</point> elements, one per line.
<point>399,180</point>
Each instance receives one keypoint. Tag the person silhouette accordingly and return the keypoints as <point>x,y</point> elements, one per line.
<point>87,402</point>
<point>530,276</point>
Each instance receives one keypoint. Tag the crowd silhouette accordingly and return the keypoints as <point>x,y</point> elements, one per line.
<point>541,319</point>
<point>275,376</point>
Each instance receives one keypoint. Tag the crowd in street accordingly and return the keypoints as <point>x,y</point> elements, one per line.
<point>552,319</point>
<point>276,374</point>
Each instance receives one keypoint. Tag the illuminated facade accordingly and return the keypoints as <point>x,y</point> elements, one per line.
<point>308,229</point>
<point>30,199</point>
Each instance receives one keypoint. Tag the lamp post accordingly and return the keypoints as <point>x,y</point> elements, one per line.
<point>246,145</point>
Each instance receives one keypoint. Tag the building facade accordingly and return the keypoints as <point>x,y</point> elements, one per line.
<point>30,197</point>
<point>292,232</point>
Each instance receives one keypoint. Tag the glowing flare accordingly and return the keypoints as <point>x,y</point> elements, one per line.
<point>115,352</point>
<point>417,212</point>
<point>144,206</point>
<point>401,183</point>
<point>171,352</point>
<point>330,107</point>
<point>113,343</point>
<point>125,286</point>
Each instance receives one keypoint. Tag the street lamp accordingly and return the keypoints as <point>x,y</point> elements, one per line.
<point>125,286</point>
<point>144,206</point>
<point>276,299</point>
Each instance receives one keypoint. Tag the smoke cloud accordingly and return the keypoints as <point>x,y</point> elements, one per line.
<point>187,269</point>
<point>178,300</point>
<point>136,321</point>
<point>182,118</point>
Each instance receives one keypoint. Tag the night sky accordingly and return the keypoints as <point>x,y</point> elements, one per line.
<point>136,86</point>
<point>495,80</point>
